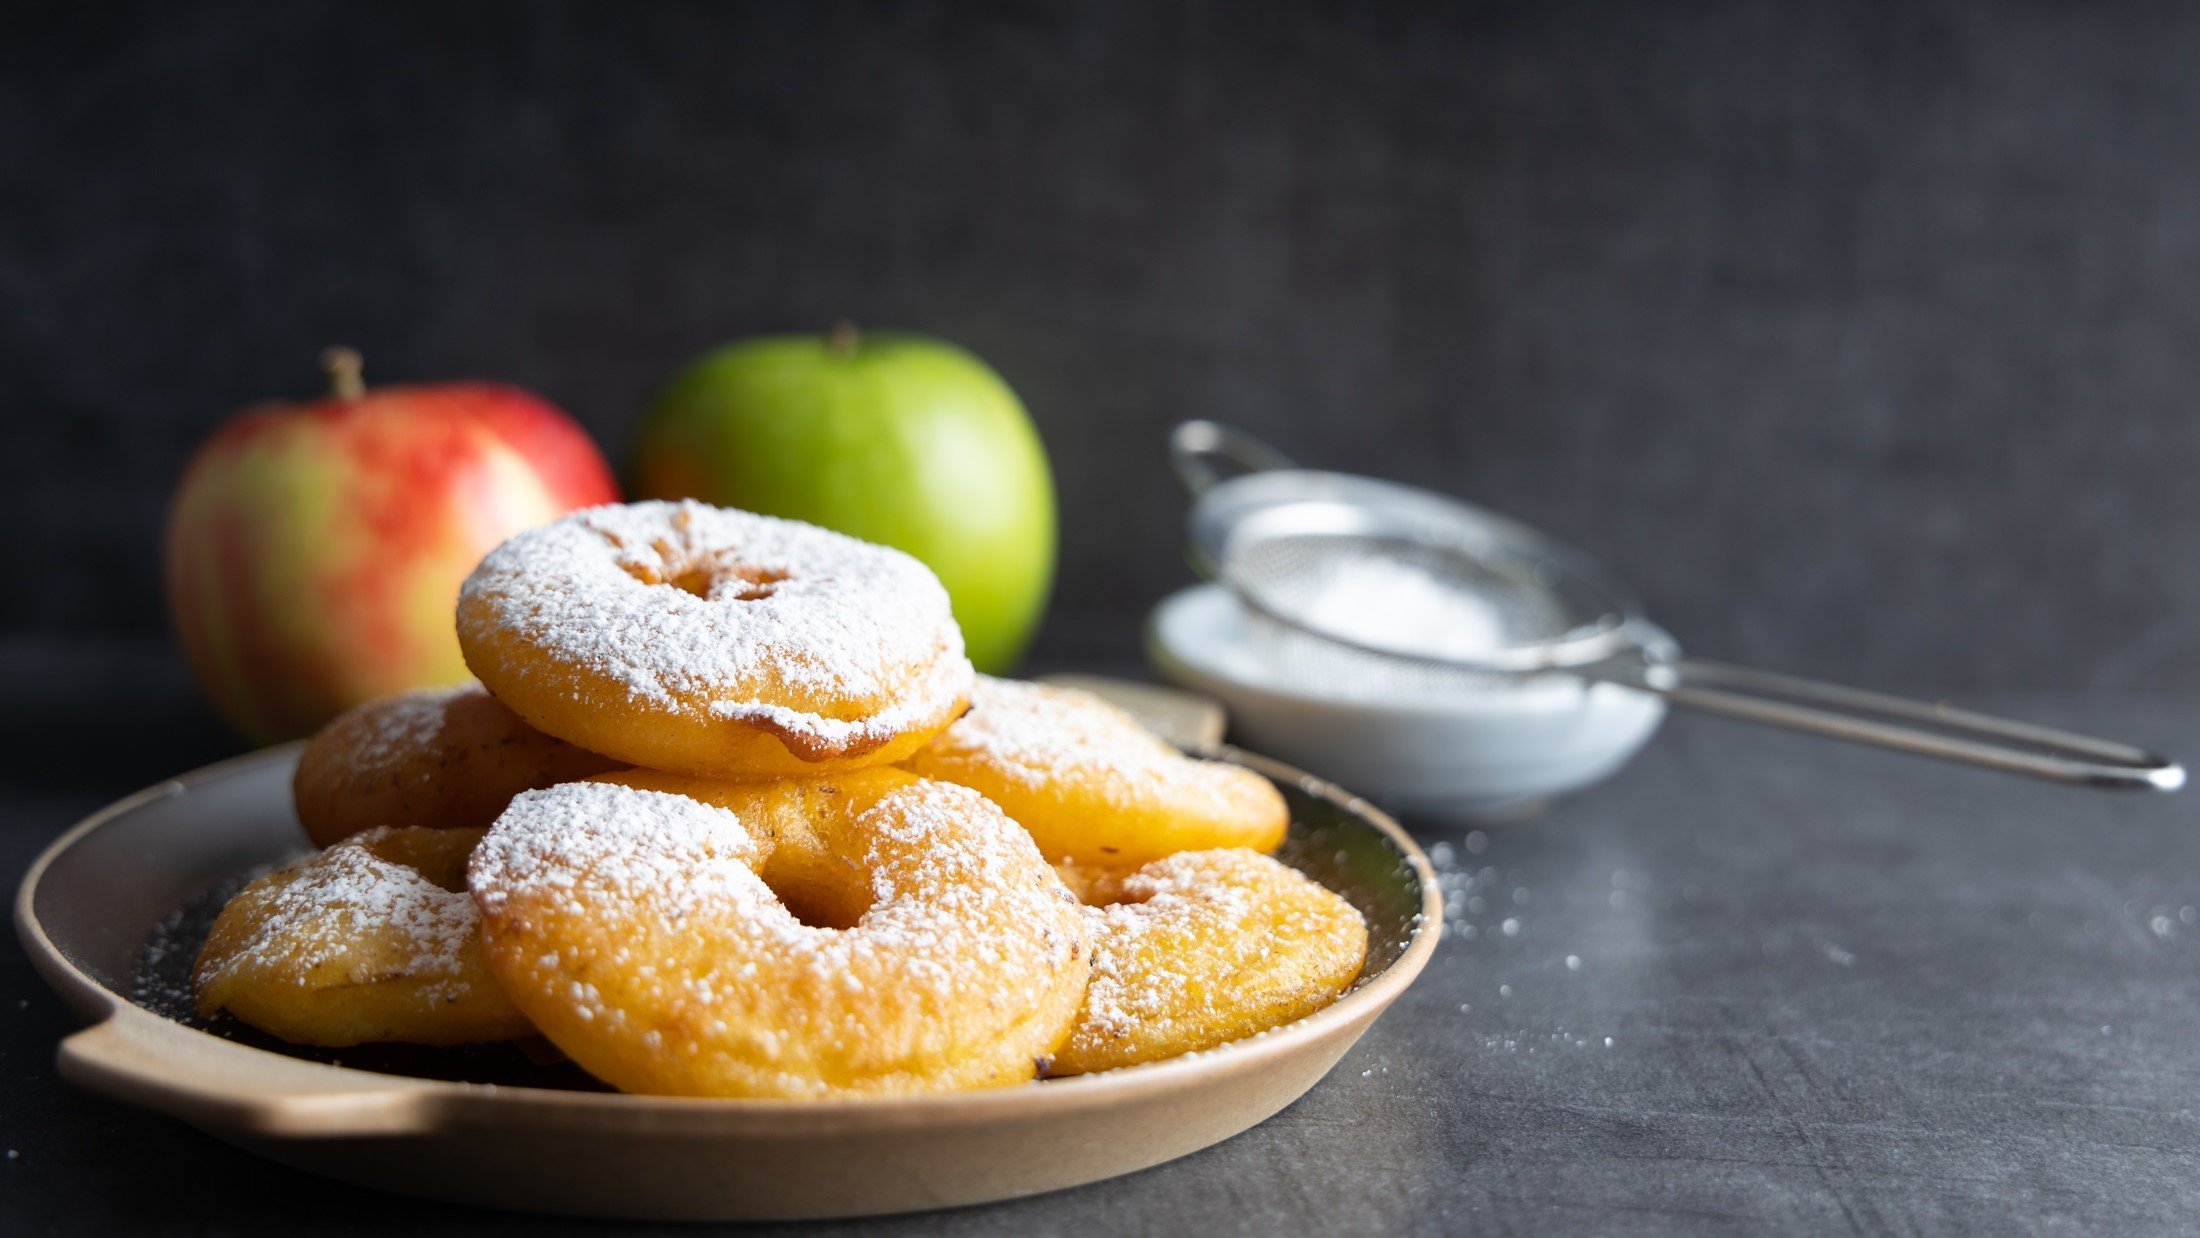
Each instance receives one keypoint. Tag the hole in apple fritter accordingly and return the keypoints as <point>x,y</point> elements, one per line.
<point>821,907</point>
<point>725,584</point>
<point>754,583</point>
<point>695,580</point>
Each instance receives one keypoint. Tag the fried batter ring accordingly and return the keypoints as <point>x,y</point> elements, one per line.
<point>445,758</point>
<point>1206,947</point>
<point>719,643</point>
<point>1094,787</point>
<point>374,939</point>
<point>633,926</point>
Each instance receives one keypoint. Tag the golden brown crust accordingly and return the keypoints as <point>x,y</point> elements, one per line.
<point>921,944</point>
<point>373,939</point>
<point>716,643</point>
<point>441,758</point>
<point>1094,787</point>
<point>1207,947</point>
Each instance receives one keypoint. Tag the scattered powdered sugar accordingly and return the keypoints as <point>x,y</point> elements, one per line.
<point>1475,896</point>
<point>164,977</point>
<point>755,617</point>
<point>1481,903</point>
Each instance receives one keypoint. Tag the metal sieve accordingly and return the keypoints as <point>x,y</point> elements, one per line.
<point>1285,539</point>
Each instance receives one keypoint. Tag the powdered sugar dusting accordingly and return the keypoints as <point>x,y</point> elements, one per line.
<point>322,907</point>
<point>584,841</point>
<point>1128,991</point>
<point>955,882</point>
<point>813,634</point>
<point>395,728</point>
<point>642,917</point>
<point>600,851</point>
<point>1029,734</point>
<point>1207,947</point>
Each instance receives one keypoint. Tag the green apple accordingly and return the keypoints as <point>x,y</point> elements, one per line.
<point>894,438</point>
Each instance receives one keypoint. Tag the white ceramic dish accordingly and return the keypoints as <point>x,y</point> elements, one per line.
<point>1472,755</point>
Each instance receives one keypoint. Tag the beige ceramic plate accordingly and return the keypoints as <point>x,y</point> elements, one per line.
<point>103,915</point>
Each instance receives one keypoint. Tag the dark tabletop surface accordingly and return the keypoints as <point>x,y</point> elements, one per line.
<point>1754,982</point>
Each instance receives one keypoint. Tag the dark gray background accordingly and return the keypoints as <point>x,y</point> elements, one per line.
<point>1862,336</point>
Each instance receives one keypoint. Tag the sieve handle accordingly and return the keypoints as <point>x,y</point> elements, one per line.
<point>1194,446</point>
<point>1924,728</point>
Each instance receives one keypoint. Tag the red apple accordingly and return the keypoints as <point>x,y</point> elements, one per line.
<point>315,550</point>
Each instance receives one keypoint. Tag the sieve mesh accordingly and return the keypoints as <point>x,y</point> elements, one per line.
<point>1400,614</point>
<point>1308,579</point>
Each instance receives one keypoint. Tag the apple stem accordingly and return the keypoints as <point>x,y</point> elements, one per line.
<point>841,340</point>
<point>342,366</point>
